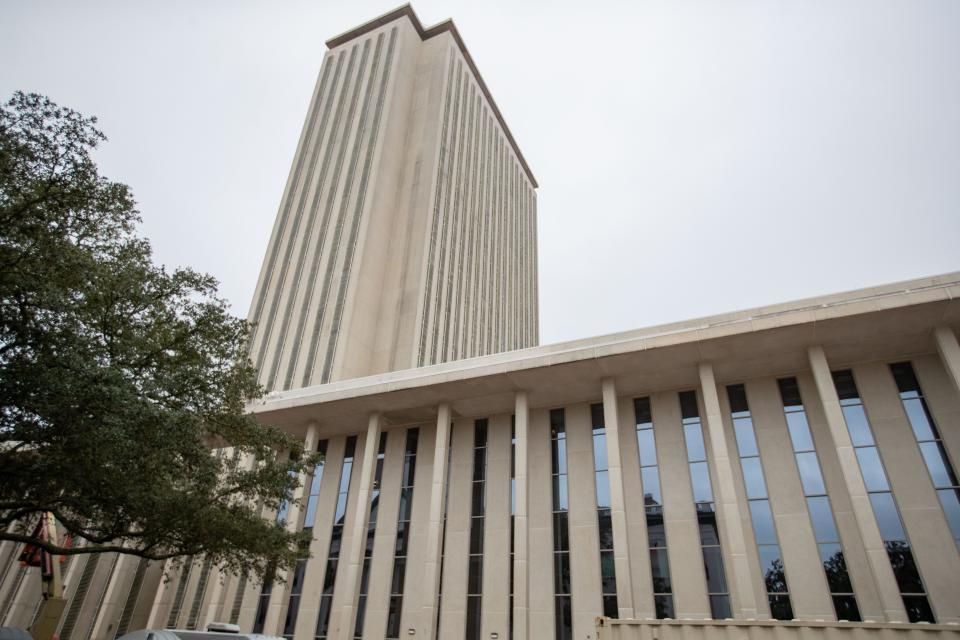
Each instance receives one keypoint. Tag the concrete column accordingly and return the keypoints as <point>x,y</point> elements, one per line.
<point>741,584</point>
<point>159,608</point>
<point>521,522</point>
<point>618,507</point>
<point>863,511</point>
<point>278,595</point>
<point>358,538</point>
<point>438,488</point>
<point>949,351</point>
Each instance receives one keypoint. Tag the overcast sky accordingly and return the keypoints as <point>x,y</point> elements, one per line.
<point>693,157</point>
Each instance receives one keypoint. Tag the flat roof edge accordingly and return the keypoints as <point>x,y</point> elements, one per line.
<point>425,34</point>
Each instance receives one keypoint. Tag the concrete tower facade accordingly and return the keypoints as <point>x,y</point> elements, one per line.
<point>406,235</point>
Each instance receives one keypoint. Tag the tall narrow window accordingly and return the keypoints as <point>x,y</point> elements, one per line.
<point>371,536</point>
<point>443,541</point>
<point>764,529</point>
<point>404,514</point>
<point>885,508</point>
<point>934,454</point>
<point>513,515</point>
<point>608,570</point>
<point>653,506</point>
<point>706,509</point>
<point>818,503</point>
<point>336,539</point>
<point>477,515</point>
<point>310,514</point>
<point>561,533</point>
<point>263,602</point>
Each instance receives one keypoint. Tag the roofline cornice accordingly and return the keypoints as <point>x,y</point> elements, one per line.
<point>447,26</point>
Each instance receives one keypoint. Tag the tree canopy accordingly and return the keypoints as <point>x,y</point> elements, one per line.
<point>123,385</point>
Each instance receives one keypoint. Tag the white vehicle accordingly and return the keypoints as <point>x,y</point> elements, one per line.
<point>215,631</point>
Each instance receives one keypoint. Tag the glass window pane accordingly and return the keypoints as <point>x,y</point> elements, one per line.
<point>810,475</point>
<point>409,470</point>
<point>341,508</point>
<point>399,573</point>
<point>846,608</point>
<point>473,618</point>
<point>599,452</point>
<point>720,607</point>
<point>888,519</point>
<point>904,568</point>
<point>937,463</point>
<point>476,535</point>
<point>780,608</point>
<point>660,569</point>
<point>647,447</point>
<point>656,535</point>
<point>835,566</point>
<point>393,617</point>
<point>857,425</point>
<point>561,501</point>
<point>713,565</point>
<point>561,541</point>
<point>610,606</point>
<point>406,505</point>
<point>872,469</point>
<point>753,478</point>
<point>608,572</point>
<point>919,421</point>
<point>560,456</point>
<point>311,512</point>
<point>477,503</point>
<point>700,477</point>
<point>561,572</point>
<point>664,606</point>
<point>605,527</point>
<point>603,489</point>
<point>746,441</point>
<point>799,431</point>
<point>400,548</point>
<point>693,435</point>
<point>763,522</point>
<point>824,526</point>
<point>563,618</point>
<point>479,463</point>
<point>708,527</point>
<point>771,568</point>
<point>918,609</point>
<point>950,499</point>
<point>475,575</point>
<point>651,487</point>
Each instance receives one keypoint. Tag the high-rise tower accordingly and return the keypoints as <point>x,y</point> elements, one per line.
<point>407,231</point>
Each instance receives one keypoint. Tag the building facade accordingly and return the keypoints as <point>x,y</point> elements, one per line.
<point>783,470</point>
<point>406,234</point>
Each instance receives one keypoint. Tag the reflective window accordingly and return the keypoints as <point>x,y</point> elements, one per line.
<point>706,511</point>
<point>764,529</point>
<point>857,425</point>
<point>810,476</point>
<point>746,442</point>
<point>477,514</point>
<point>824,526</point>
<point>753,478</point>
<point>653,507</point>
<point>336,535</point>
<point>371,537</point>
<point>872,469</point>
<point>799,430</point>
<point>563,622</point>
<point>404,514</point>
<point>604,525</point>
<point>884,507</point>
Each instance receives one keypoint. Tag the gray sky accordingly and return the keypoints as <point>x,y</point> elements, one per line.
<point>693,157</point>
